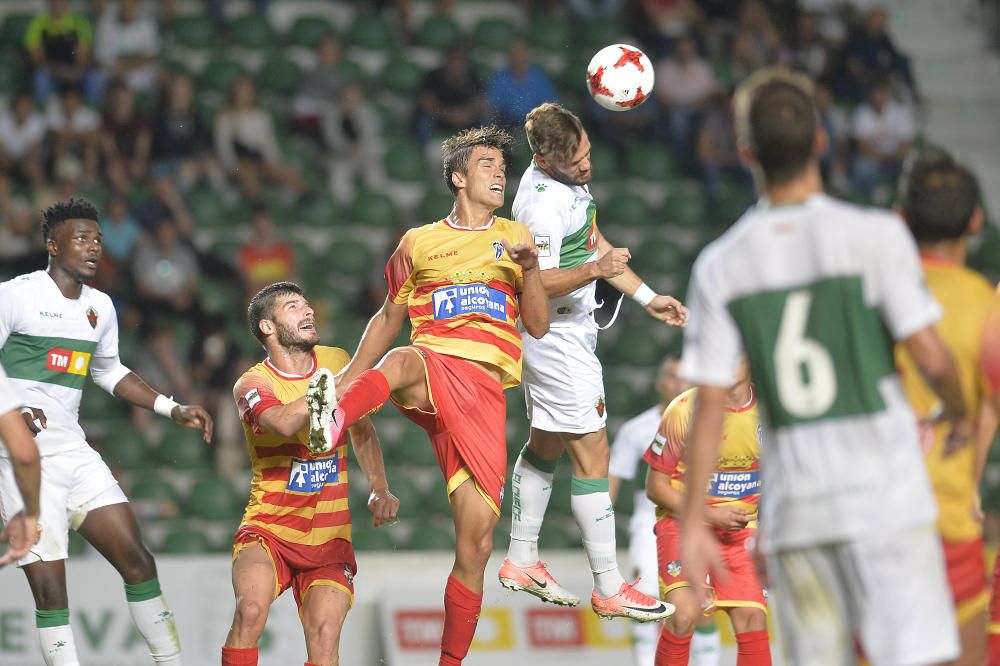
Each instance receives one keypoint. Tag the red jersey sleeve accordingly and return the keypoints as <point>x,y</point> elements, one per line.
<point>254,396</point>
<point>990,355</point>
<point>666,452</point>
<point>399,271</point>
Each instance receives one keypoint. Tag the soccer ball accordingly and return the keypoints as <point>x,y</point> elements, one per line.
<point>620,77</point>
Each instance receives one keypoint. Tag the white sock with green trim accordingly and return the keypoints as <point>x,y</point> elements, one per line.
<point>595,515</point>
<point>154,621</point>
<point>531,487</point>
<point>55,637</point>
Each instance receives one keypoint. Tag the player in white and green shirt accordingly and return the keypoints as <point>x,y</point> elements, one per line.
<point>816,291</point>
<point>54,330</point>
<point>562,377</point>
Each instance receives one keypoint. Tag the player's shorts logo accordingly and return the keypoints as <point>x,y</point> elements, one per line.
<point>734,485</point>
<point>469,299</point>
<point>674,569</point>
<point>309,476</point>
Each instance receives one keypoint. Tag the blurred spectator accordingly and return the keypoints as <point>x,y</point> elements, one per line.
<point>451,98</point>
<point>659,23</point>
<point>127,45</point>
<point>214,360</point>
<point>743,59</point>
<point>869,56</point>
<point>166,277</point>
<point>181,138</point>
<point>163,366</point>
<point>319,88</point>
<point>18,232</point>
<point>717,151</point>
<point>75,129</point>
<point>246,144</point>
<point>756,23</point>
<point>59,43</point>
<point>884,131</point>
<point>126,139</point>
<point>590,10</point>
<point>683,83</point>
<point>164,205</point>
<point>837,126</point>
<point>812,50</point>
<point>68,173</point>
<point>22,131</point>
<point>353,130</point>
<point>120,231</point>
<point>264,259</point>
<point>518,88</point>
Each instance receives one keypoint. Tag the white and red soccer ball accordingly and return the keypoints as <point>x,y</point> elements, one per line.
<point>620,77</point>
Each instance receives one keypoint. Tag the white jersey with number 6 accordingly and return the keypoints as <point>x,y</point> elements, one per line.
<point>816,293</point>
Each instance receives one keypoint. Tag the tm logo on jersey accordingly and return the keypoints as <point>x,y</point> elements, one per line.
<point>309,476</point>
<point>470,299</point>
<point>65,360</point>
<point>734,485</point>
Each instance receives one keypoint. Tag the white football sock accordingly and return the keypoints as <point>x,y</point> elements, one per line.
<point>154,621</point>
<point>644,638</point>
<point>531,485</point>
<point>595,515</point>
<point>706,646</point>
<point>58,646</point>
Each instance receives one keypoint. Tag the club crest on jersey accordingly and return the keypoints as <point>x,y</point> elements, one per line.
<point>544,246</point>
<point>497,250</point>
<point>92,316</point>
<point>599,406</point>
<point>674,569</point>
<point>309,476</point>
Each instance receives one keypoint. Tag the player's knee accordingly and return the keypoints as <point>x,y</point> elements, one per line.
<point>683,621</point>
<point>322,637</point>
<point>474,551</point>
<point>139,566</point>
<point>250,616</point>
<point>50,595</point>
<point>748,619</point>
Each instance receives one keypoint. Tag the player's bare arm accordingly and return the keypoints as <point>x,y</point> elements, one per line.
<point>938,368</point>
<point>665,308</point>
<point>136,392</point>
<point>378,337</point>
<point>700,547</point>
<point>662,493</point>
<point>562,281</point>
<point>384,506</point>
<point>21,531</point>
<point>282,420</point>
<point>533,301</point>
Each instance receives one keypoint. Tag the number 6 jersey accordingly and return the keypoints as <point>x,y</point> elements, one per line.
<point>816,293</point>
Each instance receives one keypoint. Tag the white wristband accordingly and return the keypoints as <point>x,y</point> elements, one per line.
<point>644,295</point>
<point>164,405</point>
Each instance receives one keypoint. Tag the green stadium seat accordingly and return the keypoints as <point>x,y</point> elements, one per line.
<point>435,206</point>
<point>431,536</point>
<point>97,403</point>
<point>351,71</point>
<point>402,76</point>
<point>10,78</point>
<point>619,396</point>
<point>252,31</point>
<point>641,348</point>
<point>279,75</point>
<point>214,498</point>
<point>405,162</point>
<point>372,538</point>
<point>376,209</point>
<point>600,33</point>
<point>15,25</point>
<point>206,207</point>
<point>183,448</point>
<point>626,209</point>
<point>552,34</point>
<point>370,31</point>
<point>409,494</point>
<point>319,211</point>
<point>649,162</point>
<point>186,541</point>
<point>439,32</point>
<point>731,202</point>
<point>194,31</point>
<point>606,160</point>
<point>219,74</point>
<point>308,30</point>
<point>660,256</point>
<point>559,500</point>
<point>350,257</point>
<point>436,500</point>
<point>495,34</point>
<point>126,447</point>
<point>559,535</point>
<point>152,486</point>
<point>216,297</point>
<point>685,206</point>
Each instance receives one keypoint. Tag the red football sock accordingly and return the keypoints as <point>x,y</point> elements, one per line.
<point>753,649</point>
<point>461,615</point>
<point>364,395</point>
<point>993,650</point>
<point>672,650</point>
<point>239,656</point>
<point>309,663</point>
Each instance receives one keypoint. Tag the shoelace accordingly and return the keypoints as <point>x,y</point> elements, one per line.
<point>633,595</point>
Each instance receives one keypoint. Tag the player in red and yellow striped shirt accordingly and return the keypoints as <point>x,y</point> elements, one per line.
<point>296,531</point>
<point>463,281</point>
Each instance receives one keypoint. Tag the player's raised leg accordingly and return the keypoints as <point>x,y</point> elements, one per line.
<point>255,586</point>
<point>114,532</point>
<point>47,581</point>
<point>324,609</point>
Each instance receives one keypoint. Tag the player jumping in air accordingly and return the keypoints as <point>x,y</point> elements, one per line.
<point>296,531</point>
<point>16,443</point>
<point>816,291</point>
<point>463,281</point>
<point>53,330</point>
<point>563,383</point>
<point>732,499</point>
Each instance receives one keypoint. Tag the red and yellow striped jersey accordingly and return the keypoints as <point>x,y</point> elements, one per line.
<point>294,496</point>
<point>736,479</point>
<point>462,291</point>
<point>969,303</point>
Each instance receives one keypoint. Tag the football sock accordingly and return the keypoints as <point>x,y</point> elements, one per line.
<point>531,486</point>
<point>55,637</point>
<point>753,649</point>
<point>706,646</point>
<point>595,515</point>
<point>993,650</point>
<point>644,637</point>
<point>461,615</point>
<point>154,621</point>
<point>239,656</point>
<point>672,650</point>
<point>364,395</point>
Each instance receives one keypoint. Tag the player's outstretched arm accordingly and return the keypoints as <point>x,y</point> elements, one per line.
<point>938,368</point>
<point>661,491</point>
<point>665,308</point>
<point>284,420</point>
<point>21,530</point>
<point>384,506</point>
<point>379,335</point>
<point>532,301</point>
<point>136,392</point>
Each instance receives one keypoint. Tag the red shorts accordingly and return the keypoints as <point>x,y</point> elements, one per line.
<point>743,588</point>
<point>468,425</point>
<point>966,570</point>
<point>295,567</point>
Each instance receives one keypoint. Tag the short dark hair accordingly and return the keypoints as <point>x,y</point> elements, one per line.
<point>57,213</point>
<point>456,150</point>
<point>262,304</point>
<point>938,196</point>
<point>775,116</point>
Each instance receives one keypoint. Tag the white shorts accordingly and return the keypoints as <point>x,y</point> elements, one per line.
<point>563,381</point>
<point>889,591</point>
<point>74,482</point>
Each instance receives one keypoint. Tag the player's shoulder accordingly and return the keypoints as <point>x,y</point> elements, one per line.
<point>539,188</point>
<point>507,225</point>
<point>332,358</point>
<point>681,406</point>
<point>252,376</point>
<point>20,283</point>
<point>97,297</point>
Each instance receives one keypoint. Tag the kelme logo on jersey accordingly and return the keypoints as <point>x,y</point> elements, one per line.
<point>65,360</point>
<point>469,299</point>
<point>309,476</point>
<point>734,485</point>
